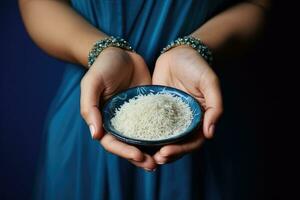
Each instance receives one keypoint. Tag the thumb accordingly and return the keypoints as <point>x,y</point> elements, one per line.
<point>211,117</point>
<point>213,108</point>
<point>91,89</point>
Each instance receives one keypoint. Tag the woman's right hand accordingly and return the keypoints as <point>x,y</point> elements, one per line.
<point>115,69</point>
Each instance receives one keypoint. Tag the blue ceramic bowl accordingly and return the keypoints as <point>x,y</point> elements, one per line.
<point>117,101</point>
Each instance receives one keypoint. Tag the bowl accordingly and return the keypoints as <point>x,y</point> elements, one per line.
<point>117,100</point>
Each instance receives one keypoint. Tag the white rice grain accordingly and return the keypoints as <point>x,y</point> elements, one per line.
<point>152,117</point>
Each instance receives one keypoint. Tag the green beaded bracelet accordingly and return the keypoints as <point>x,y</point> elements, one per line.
<point>100,45</point>
<point>195,43</point>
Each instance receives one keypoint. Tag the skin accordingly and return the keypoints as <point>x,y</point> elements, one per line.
<point>183,68</point>
<point>114,70</point>
<point>57,29</point>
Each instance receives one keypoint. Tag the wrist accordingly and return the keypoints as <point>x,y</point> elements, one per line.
<point>191,42</point>
<point>109,44</point>
<point>113,55</point>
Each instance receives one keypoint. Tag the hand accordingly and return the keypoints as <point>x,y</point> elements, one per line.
<point>114,70</point>
<point>183,68</point>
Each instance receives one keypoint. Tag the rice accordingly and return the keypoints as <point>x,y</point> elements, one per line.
<point>152,117</point>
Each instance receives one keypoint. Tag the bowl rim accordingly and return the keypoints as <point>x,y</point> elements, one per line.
<point>181,136</point>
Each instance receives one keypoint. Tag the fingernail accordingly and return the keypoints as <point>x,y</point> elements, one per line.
<point>211,130</point>
<point>160,162</point>
<point>92,130</point>
<point>150,170</point>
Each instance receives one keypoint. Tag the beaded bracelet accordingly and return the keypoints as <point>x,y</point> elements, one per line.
<point>100,45</point>
<point>195,43</point>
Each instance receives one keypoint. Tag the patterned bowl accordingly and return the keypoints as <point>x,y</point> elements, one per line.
<point>117,100</point>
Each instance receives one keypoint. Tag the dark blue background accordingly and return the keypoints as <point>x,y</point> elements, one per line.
<point>257,88</point>
<point>28,81</point>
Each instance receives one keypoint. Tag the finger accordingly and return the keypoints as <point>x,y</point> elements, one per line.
<point>160,159</point>
<point>213,106</point>
<point>169,152</point>
<point>113,145</point>
<point>148,163</point>
<point>91,89</point>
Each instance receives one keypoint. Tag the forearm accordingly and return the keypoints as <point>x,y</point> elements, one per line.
<point>59,30</point>
<point>234,29</point>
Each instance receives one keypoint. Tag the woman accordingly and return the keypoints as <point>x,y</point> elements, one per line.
<point>76,167</point>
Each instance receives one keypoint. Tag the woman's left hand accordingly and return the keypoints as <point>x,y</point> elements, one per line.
<point>183,68</point>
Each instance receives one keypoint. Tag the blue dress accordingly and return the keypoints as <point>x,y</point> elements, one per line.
<point>73,166</point>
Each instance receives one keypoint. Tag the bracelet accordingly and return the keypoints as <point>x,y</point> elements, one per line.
<point>100,45</point>
<point>195,43</point>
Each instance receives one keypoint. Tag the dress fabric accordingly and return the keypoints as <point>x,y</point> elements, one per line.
<point>73,166</point>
